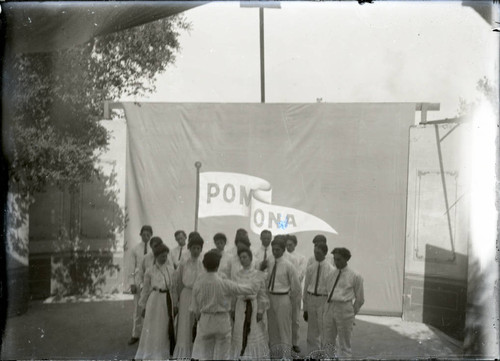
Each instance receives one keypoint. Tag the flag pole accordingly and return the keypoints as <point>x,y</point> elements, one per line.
<point>262,63</point>
<point>198,166</point>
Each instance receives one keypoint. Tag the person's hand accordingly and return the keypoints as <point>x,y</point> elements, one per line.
<point>143,313</point>
<point>176,311</point>
<point>232,315</point>
<point>133,289</point>
<point>259,316</point>
<point>306,316</point>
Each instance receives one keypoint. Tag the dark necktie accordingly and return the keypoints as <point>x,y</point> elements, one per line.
<point>334,285</point>
<point>273,277</point>
<point>317,280</point>
<point>265,253</point>
<point>180,254</point>
<point>145,247</point>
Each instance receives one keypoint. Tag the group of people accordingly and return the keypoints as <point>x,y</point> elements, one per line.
<point>239,305</point>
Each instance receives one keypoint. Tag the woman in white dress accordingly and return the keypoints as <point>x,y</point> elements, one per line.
<point>249,341</point>
<point>158,301</point>
<point>186,275</point>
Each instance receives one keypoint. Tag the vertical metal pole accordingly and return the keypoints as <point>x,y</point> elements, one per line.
<point>262,76</point>
<point>198,166</point>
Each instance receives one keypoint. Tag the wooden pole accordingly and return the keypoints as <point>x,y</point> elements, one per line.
<point>198,166</point>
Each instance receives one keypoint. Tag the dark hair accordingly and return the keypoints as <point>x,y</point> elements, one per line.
<point>245,250</point>
<point>319,238</point>
<point>344,252</point>
<point>243,238</point>
<point>323,247</point>
<point>146,228</point>
<point>211,260</point>
<point>292,238</point>
<point>159,249</point>
<point>154,240</point>
<point>220,236</point>
<point>279,241</point>
<point>265,231</point>
<point>180,231</point>
<point>216,250</point>
<point>241,231</point>
<point>195,240</point>
<point>193,234</point>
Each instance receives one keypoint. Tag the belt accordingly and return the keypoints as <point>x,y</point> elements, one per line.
<point>214,313</point>
<point>161,290</point>
<point>333,301</point>
<point>279,293</point>
<point>316,295</point>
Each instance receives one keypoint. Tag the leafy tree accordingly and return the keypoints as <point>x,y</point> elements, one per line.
<point>486,89</point>
<point>58,100</point>
<point>52,134</point>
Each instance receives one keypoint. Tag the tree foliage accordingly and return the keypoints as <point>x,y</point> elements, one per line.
<point>57,100</point>
<point>487,91</point>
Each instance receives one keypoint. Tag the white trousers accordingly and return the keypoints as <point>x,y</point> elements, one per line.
<point>315,307</point>
<point>295,321</point>
<point>137,325</point>
<point>279,325</point>
<point>213,337</point>
<point>338,320</point>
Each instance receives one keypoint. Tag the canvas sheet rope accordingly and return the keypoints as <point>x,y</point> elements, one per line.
<point>336,169</point>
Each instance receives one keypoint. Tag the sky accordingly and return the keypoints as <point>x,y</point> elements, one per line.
<point>337,51</point>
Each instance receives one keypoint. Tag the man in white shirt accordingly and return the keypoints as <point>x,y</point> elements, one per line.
<point>211,303</point>
<point>345,298</point>
<point>320,239</point>
<point>299,262</point>
<point>136,256</point>
<point>264,251</point>
<point>315,294</point>
<point>283,288</point>
<point>220,241</point>
<point>180,252</point>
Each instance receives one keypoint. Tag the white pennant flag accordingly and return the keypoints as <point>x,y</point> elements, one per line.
<point>235,194</point>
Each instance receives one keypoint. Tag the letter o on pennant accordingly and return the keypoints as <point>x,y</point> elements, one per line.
<point>233,193</point>
<point>258,222</point>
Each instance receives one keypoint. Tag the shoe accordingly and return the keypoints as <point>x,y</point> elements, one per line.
<point>296,348</point>
<point>133,340</point>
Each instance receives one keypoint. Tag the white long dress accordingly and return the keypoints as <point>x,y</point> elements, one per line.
<point>186,275</point>
<point>257,346</point>
<point>154,343</point>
